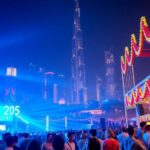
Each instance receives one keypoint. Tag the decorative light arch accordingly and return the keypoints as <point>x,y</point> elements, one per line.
<point>136,48</point>
<point>138,94</point>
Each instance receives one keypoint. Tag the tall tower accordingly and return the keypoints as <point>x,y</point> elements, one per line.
<point>79,91</point>
<point>110,75</point>
<point>98,89</point>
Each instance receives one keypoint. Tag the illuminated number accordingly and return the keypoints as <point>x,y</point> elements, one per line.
<point>17,110</point>
<point>6,110</point>
<point>11,110</point>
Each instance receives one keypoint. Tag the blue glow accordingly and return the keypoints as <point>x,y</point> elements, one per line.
<point>22,119</point>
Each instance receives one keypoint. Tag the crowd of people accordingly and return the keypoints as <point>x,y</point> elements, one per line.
<point>131,138</point>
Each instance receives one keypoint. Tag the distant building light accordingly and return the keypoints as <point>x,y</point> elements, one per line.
<point>49,73</point>
<point>106,100</point>
<point>11,71</point>
<point>61,102</point>
<point>93,112</point>
<point>61,75</point>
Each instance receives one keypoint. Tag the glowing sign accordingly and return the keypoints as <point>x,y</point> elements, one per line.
<point>9,110</point>
<point>11,71</point>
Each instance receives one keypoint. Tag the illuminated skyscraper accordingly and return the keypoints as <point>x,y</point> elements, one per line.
<point>79,91</point>
<point>98,89</point>
<point>53,87</point>
<point>10,89</point>
<point>110,75</point>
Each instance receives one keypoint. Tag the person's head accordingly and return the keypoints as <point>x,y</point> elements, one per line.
<point>109,133</point>
<point>20,135</point>
<point>15,139</point>
<point>26,135</point>
<point>71,136</point>
<point>124,129</point>
<point>34,145</point>
<point>148,128</point>
<point>84,135</point>
<point>143,125</point>
<point>131,131</point>
<point>93,132</point>
<point>49,138</point>
<point>5,135</point>
<point>9,141</point>
<point>58,143</point>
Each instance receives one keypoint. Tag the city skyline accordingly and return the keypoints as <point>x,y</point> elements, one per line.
<point>38,32</point>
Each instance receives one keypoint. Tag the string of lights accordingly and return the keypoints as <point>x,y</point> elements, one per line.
<point>136,49</point>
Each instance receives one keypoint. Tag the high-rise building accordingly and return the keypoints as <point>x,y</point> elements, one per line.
<point>49,87</point>
<point>79,91</point>
<point>110,76</point>
<point>98,89</point>
<point>53,87</point>
<point>10,85</point>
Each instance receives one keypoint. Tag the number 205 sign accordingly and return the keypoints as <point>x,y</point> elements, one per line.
<point>9,110</point>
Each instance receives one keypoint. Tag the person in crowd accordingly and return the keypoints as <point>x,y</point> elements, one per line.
<point>115,133</point>
<point>146,137</point>
<point>122,136</point>
<point>39,139</point>
<point>20,139</point>
<point>70,145</point>
<point>131,143</point>
<point>15,141</point>
<point>3,142</point>
<point>48,145</point>
<point>110,143</point>
<point>94,143</point>
<point>103,134</point>
<point>78,135</point>
<point>9,143</point>
<point>58,143</point>
<point>76,144</point>
<point>140,132</point>
<point>33,145</point>
<point>26,141</point>
<point>83,141</point>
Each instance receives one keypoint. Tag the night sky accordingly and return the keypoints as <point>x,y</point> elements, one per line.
<point>40,31</point>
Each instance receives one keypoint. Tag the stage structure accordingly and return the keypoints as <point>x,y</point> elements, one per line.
<point>136,95</point>
<point>79,91</point>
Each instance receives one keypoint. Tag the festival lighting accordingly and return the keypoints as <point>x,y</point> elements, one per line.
<point>33,122</point>
<point>22,119</point>
<point>66,123</point>
<point>47,123</point>
<point>144,118</point>
<point>136,48</point>
<point>49,73</point>
<point>2,127</point>
<point>138,94</point>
